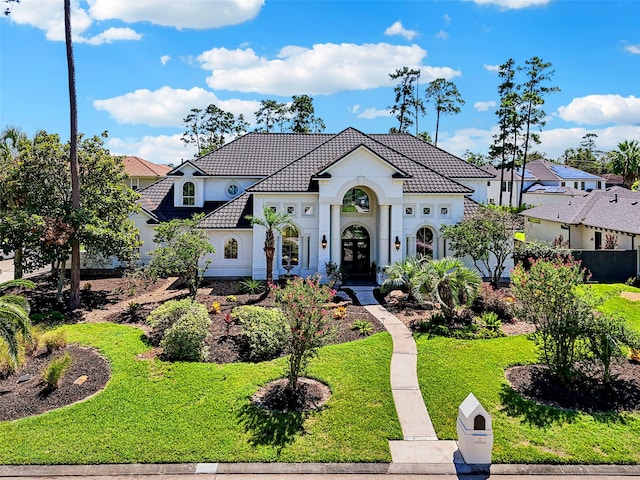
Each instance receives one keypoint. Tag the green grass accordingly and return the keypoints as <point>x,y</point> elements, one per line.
<point>616,304</point>
<point>524,432</point>
<point>154,411</point>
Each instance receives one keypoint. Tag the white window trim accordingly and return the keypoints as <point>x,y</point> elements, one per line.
<point>426,215</point>
<point>413,210</point>
<point>444,215</point>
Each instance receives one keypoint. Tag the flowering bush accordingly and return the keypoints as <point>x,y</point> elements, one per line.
<point>231,298</point>
<point>339,313</point>
<point>215,307</point>
<point>302,303</point>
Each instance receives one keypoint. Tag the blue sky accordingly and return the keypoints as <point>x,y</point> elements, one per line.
<point>142,65</point>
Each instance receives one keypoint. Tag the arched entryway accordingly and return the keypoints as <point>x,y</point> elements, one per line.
<point>356,252</point>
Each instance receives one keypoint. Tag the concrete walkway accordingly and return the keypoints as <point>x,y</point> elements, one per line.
<point>420,443</point>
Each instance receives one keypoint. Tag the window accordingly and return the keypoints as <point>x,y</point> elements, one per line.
<point>408,211</point>
<point>290,246</point>
<point>424,242</point>
<point>188,193</point>
<point>231,248</point>
<point>426,211</point>
<point>599,185</point>
<point>291,210</point>
<point>506,186</point>
<point>582,185</point>
<point>308,211</point>
<point>355,200</point>
<point>135,183</point>
<point>575,185</point>
<point>444,211</point>
<point>492,201</point>
<point>563,184</point>
<point>233,189</point>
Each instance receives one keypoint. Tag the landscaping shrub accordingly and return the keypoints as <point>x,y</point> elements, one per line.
<point>264,330</point>
<point>490,321</point>
<point>53,340</point>
<point>363,327</point>
<point>215,308</point>
<point>7,363</point>
<point>54,317</point>
<point>492,300</point>
<point>163,317</point>
<point>56,370</point>
<point>186,339</point>
<point>251,286</point>
<point>340,313</point>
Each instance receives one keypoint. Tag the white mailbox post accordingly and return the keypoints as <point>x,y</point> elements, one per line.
<point>475,435</point>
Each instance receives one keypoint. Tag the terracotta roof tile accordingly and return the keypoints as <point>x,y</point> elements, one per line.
<point>139,167</point>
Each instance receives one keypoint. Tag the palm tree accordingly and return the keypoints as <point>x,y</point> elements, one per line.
<point>450,283</point>
<point>272,220</point>
<point>626,161</point>
<point>405,274</point>
<point>14,316</point>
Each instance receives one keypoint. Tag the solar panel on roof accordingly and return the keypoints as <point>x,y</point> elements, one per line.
<point>568,172</point>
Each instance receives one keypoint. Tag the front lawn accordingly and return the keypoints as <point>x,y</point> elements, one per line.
<point>155,412</point>
<point>524,432</point>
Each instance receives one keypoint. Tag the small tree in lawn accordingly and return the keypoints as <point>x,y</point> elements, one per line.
<point>303,302</point>
<point>184,246</point>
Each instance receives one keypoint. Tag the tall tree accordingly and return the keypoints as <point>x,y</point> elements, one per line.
<point>586,156</point>
<point>407,104</point>
<point>270,114</point>
<point>210,128</point>
<point>626,161</point>
<point>302,117</point>
<point>446,99</point>
<point>272,221</point>
<point>534,89</point>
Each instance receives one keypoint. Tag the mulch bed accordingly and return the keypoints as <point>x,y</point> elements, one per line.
<point>310,395</point>
<point>19,400</point>
<point>587,392</point>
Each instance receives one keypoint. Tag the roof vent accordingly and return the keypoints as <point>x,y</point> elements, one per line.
<point>615,199</point>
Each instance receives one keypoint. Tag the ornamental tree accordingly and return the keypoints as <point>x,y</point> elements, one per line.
<point>184,245</point>
<point>303,303</point>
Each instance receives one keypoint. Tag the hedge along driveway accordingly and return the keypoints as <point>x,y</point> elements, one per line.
<point>153,411</point>
<point>524,432</point>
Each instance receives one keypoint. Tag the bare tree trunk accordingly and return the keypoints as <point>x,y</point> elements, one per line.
<point>17,263</point>
<point>74,300</point>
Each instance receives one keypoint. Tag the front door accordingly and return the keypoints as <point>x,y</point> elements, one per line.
<point>356,252</point>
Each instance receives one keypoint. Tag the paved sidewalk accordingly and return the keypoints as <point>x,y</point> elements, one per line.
<point>420,444</point>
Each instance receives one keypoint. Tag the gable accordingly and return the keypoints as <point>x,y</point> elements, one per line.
<point>361,162</point>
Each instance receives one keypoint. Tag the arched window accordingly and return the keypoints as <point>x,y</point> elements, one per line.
<point>231,248</point>
<point>188,193</point>
<point>355,200</point>
<point>424,242</point>
<point>290,246</point>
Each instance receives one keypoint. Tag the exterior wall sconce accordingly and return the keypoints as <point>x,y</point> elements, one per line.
<point>324,242</point>
<point>397,244</point>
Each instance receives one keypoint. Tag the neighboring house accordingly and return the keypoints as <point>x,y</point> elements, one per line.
<point>544,182</point>
<point>359,200</point>
<point>143,173</point>
<point>614,180</point>
<point>598,220</point>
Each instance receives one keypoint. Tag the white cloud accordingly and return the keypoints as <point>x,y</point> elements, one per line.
<point>110,35</point>
<point>600,109</point>
<point>321,70</point>
<point>634,49</point>
<point>48,15</point>
<point>513,4</point>
<point>484,106</point>
<point>398,29</point>
<point>163,149</point>
<point>164,59</point>
<point>371,113</point>
<point>442,35</point>
<point>446,18</point>
<point>491,68</point>
<point>167,107</point>
<point>198,14</point>
<point>354,109</point>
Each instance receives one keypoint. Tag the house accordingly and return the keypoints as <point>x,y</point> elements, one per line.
<point>544,182</point>
<point>143,173</point>
<point>606,219</point>
<point>358,200</point>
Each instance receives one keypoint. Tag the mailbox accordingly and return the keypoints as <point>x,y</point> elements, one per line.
<point>475,435</point>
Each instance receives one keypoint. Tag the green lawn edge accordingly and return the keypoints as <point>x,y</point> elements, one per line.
<point>158,412</point>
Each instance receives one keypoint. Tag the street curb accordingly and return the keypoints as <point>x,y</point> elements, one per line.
<point>312,468</point>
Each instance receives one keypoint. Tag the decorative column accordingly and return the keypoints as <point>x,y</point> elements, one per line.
<point>384,243</point>
<point>336,235</point>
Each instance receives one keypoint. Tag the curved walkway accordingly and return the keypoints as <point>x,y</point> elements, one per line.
<point>420,443</point>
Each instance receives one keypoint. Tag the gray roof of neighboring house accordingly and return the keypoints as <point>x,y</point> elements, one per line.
<point>615,209</point>
<point>288,162</point>
<point>545,171</point>
<point>553,189</point>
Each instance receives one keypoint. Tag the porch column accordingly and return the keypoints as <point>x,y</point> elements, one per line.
<point>336,235</point>
<point>383,236</point>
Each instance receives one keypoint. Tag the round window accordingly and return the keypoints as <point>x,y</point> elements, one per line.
<point>233,189</point>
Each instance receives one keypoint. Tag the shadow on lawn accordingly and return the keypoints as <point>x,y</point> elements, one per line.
<point>269,427</point>
<point>544,416</point>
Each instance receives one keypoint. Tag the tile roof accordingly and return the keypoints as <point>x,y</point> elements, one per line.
<point>157,199</point>
<point>230,215</point>
<point>613,209</point>
<point>139,167</point>
<point>297,176</point>
<point>470,207</point>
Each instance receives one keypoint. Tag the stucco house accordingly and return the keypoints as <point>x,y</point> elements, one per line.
<point>359,200</point>
<point>544,182</point>
<point>143,173</point>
